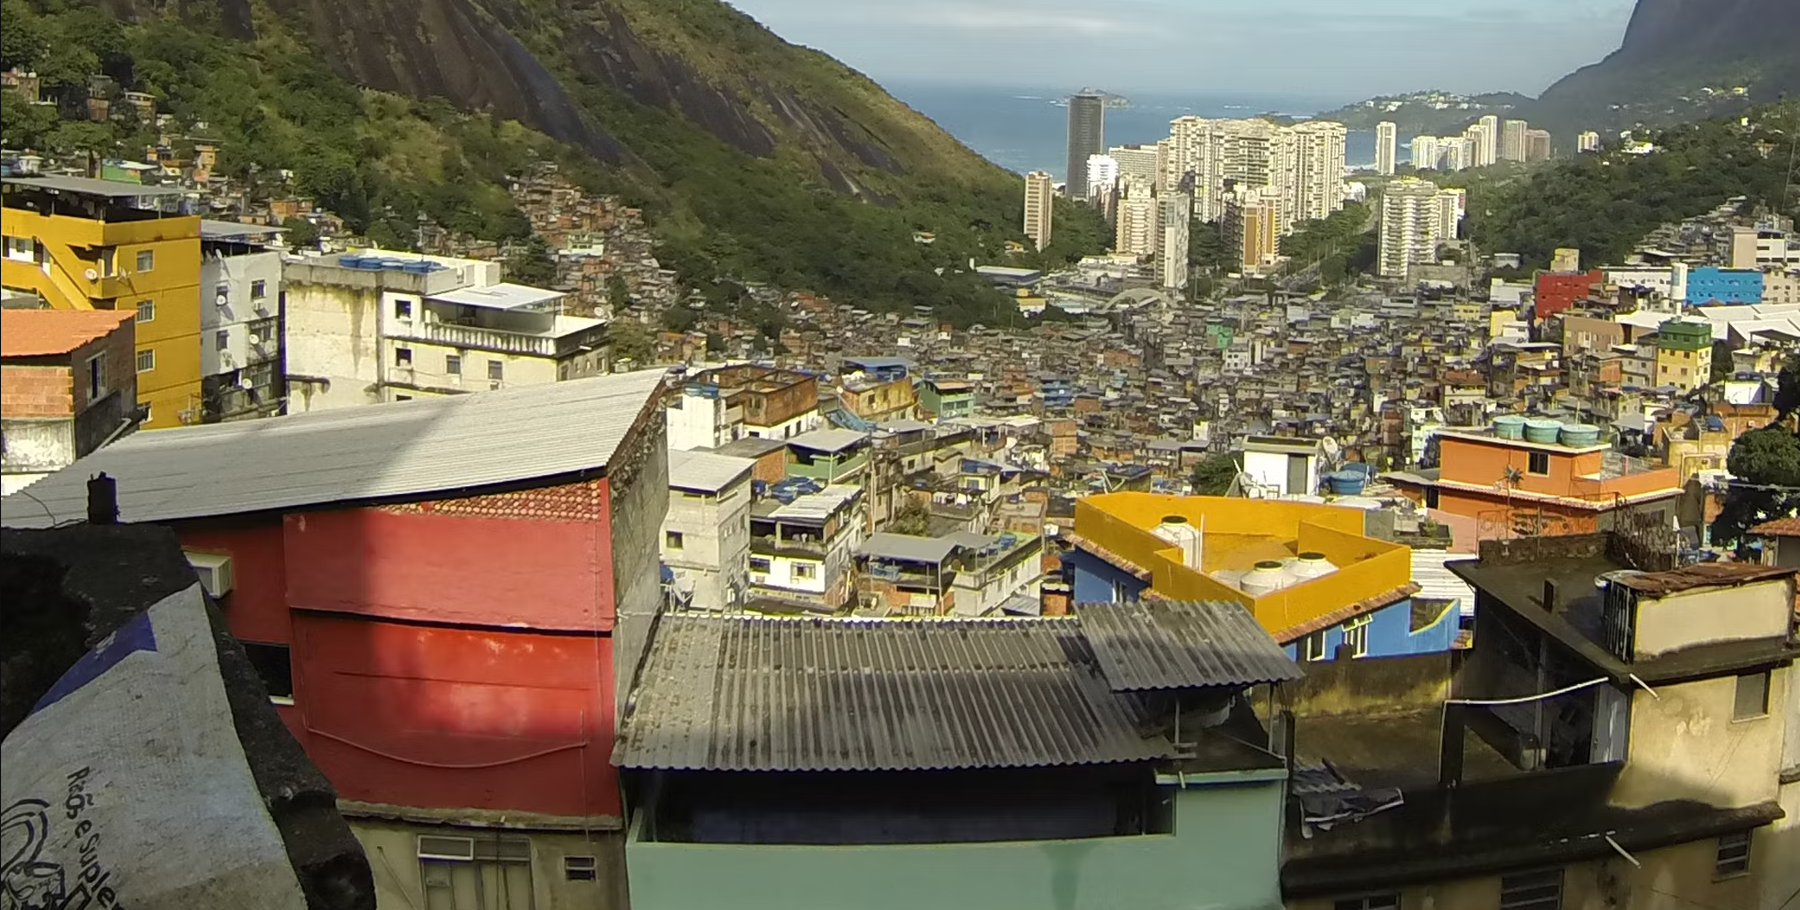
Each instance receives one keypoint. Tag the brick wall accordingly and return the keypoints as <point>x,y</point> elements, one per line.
<point>568,502</point>
<point>36,391</point>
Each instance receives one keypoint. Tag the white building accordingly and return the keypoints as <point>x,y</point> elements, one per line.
<point>240,323</point>
<point>1102,175</point>
<point>375,326</point>
<point>802,552</point>
<point>706,532</point>
<point>1141,162</point>
<point>1136,226</point>
<point>1177,219</point>
<point>1040,207</point>
<point>1453,205</point>
<point>1309,171</point>
<point>1425,153</point>
<point>1587,142</point>
<point>1387,140</point>
<point>1514,143</point>
<point>1303,165</point>
<point>1276,466</point>
<point>1410,223</point>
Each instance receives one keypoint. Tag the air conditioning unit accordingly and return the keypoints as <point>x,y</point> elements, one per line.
<point>214,570</point>
<point>458,849</point>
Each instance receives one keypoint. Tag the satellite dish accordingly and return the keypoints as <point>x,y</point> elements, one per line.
<point>245,383</point>
<point>256,339</point>
<point>92,275</point>
<point>1331,447</point>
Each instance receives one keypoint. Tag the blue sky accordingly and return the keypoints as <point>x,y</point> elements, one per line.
<point>1352,48</point>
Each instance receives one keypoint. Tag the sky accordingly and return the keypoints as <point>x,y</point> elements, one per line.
<point>1349,48</point>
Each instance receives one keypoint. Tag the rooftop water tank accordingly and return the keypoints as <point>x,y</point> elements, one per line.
<point>1580,435</point>
<point>1346,483</point>
<point>1267,577</point>
<point>1543,431</point>
<point>1509,426</point>
<point>1308,566</point>
<point>1177,530</point>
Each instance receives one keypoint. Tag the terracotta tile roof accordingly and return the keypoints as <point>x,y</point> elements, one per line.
<point>1780,527</point>
<point>42,333</point>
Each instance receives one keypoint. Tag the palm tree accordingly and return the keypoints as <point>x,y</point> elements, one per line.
<point>1508,482</point>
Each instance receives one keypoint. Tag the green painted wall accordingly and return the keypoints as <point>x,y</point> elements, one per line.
<point>1224,855</point>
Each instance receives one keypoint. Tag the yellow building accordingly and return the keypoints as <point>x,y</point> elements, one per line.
<point>83,244</point>
<point>1684,354</point>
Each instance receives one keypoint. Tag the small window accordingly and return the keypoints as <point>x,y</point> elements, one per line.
<point>672,540</point>
<point>146,311</point>
<point>1734,855</point>
<point>146,260</point>
<point>1432,497</point>
<point>1312,647</point>
<point>402,397</point>
<point>1389,901</point>
<point>805,571</point>
<point>759,564</point>
<point>1752,697</point>
<point>579,869</point>
<point>1538,463</point>
<point>274,664</point>
<point>259,289</point>
<point>402,308</point>
<point>403,357</point>
<point>453,364</point>
<point>496,370</point>
<point>96,376</point>
<point>1532,891</point>
<point>221,340</point>
<point>1356,636</point>
<point>146,361</point>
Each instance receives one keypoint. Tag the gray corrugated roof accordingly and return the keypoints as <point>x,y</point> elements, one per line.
<point>704,472</point>
<point>828,440</point>
<point>743,693</point>
<point>231,230</point>
<point>353,454</point>
<point>1160,644</point>
<point>908,547</point>
<point>1437,582</point>
<point>88,186</point>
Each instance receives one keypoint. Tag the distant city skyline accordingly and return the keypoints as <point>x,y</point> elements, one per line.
<point>1375,47</point>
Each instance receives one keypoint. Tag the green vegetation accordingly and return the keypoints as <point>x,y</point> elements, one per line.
<point>787,218</point>
<point>1341,245</point>
<point>1215,475</point>
<point>1418,114</point>
<point>1605,204</point>
<point>1766,466</point>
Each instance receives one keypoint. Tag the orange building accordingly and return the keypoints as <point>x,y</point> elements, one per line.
<point>1490,485</point>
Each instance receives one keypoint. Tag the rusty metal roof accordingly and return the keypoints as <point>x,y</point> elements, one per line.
<point>1163,644</point>
<point>1702,575</point>
<point>46,333</point>
<point>757,693</point>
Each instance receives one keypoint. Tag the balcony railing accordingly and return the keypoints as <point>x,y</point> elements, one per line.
<point>467,336</point>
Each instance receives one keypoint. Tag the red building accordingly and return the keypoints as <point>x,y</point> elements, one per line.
<point>1559,291</point>
<point>439,594</point>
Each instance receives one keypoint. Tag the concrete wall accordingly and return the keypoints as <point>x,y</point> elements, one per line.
<point>637,486</point>
<point>332,335</point>
<point>36,445</point>
<point>237,277</point>
<point>1224,855</point>
<point>393,851</point>
<point>715,536</point>
<point>1707,615</point>
<point>1685,745</point>
<point>1391,634</point>
<point>429,368</point>
<point>696,423</point>
<point>1672,878</point>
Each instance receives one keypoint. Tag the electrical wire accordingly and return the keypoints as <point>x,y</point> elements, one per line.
<point>1527,698</point>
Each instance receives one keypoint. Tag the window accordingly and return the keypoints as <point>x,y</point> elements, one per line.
<point>402,397</point>
<point>672,539</point>
<point>1752,697</point>
<point>1312,647</point>
<point>146,361</point>
<point>273,663</point>
<point>1356,636</point>
<point>259,289</point>
<point>1734,855</point>
<point>403,357</point>
<point>805,571</point>
<point>1538,463</point>
<point>96,376</point>
<point>482,872</point>
<point>402,308</point>
<point>1532,891</point>
<point>221,340</point>
<point>579,869</point>
<point>1431,497</point>
<point>453,364</point>
<point>146,311</point>
<point>146,260</point>
<point>1389,901</point>
<point>759,564</point>
<point>496,370</point>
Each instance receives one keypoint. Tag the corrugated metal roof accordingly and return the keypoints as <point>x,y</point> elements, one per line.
<point>377,451</point>
<point>816,506</point>
<point>1163,644</point>
<point>88,186</point>
<point>704,472</point>
<point>743,693</point>
<point>502,296</point>
<point>828,440</point>
<point>1437,582</point>
<point>908,547</point>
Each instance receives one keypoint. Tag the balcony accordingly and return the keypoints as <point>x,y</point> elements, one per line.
<point>570,335</point>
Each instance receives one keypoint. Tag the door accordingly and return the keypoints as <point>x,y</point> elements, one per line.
<point>1296,479</point>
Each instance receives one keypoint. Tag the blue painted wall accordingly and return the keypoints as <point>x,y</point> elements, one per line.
<point>1391,634</point>
<point>1099,581</point>
<point>1710,283</point>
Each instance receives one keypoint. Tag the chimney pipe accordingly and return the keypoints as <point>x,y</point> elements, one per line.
<point>103,500</point>
<point>1549,595</point>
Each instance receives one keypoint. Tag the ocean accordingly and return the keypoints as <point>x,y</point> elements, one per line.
<point>1023,130</point>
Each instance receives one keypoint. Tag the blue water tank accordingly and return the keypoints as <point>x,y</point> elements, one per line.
<point>1346,483</point>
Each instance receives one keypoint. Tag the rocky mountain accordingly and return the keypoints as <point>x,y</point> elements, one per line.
<point>1682,60</point>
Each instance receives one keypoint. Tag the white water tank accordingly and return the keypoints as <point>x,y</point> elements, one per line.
<point>1178,531</point>
<point>1308,566</point>
<point>1268,576</point>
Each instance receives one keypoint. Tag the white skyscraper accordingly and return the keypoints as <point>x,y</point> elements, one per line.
<point>1425,153</point>
<point>1588,142</point>
<point>1489,154</point>
<point>1177,218</point>
<point>1513,141</point>
<point>1453,204</point>
<point>1136,224</point>
<point>1040,207</point>
<point>1308,171</point>
<point>1102,175</point>
<point>1411,225</point>
<point>1138,162</point>
<point>1387,147</point>
<point>1453,153</point>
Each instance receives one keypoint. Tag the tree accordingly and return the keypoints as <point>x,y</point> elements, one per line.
<point>617,292</point>
<point>23,38</point>
<point>24,125</point>
<point>913,517</point>
<point>300,232</point>
<point>631,341</point>
<point>1215,475</point>
<point>532,264</point>
<point>1765,469</point>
